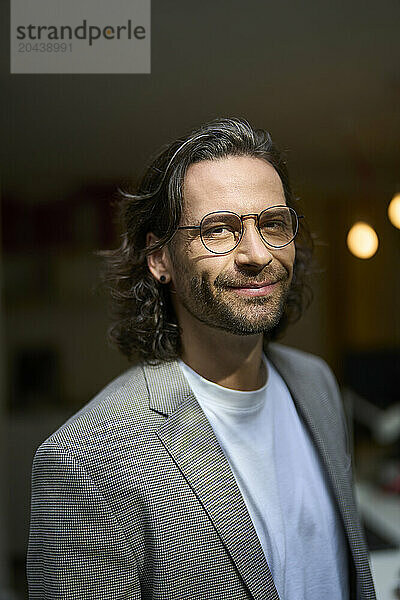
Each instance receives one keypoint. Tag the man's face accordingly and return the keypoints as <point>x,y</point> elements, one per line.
<point>225,291</point>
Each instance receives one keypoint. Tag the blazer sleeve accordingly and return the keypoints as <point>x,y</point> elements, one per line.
<point>76,547</point>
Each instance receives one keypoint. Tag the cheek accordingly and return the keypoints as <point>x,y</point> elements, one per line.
<point>292,257</point>
<point>188,261</point>
<point>287,258</point>
<point>213,267</point>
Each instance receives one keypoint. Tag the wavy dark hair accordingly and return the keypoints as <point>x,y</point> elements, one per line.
<point>144,324</point>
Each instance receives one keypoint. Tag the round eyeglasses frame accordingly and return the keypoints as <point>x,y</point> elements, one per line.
<point>243,218</point>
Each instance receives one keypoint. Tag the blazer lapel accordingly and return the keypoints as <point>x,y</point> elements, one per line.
<point>190,440</point>
<point>314,405</point>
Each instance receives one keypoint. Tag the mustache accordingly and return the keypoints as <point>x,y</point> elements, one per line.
<point>226,280</point>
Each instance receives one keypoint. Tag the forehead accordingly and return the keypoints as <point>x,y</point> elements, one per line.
<point>238,183</point>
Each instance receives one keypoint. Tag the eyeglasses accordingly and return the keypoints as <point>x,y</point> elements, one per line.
<point>222,231</point>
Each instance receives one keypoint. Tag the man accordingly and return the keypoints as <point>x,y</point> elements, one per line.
<point>219,466</point>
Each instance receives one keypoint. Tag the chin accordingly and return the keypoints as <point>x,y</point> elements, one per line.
<point>241,325</point>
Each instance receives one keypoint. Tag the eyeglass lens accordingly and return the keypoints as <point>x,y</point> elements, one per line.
<point>221,231</point>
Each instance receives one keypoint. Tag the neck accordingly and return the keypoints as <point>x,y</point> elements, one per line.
<point>232,361</point>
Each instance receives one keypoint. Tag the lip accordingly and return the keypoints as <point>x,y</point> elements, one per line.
<point>255,289</point>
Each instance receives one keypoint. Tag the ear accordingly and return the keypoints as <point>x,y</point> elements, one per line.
<point>159,261</point>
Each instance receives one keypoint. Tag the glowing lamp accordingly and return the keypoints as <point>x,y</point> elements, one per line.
<point>362,240</point>
<point>394,211</point>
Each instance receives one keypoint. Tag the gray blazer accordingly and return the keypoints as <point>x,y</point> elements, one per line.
<point>133,497</point>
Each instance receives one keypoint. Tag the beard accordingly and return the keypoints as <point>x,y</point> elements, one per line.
<point>217,305</point>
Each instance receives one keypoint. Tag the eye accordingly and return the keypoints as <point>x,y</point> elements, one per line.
<point>276,224</point>
<point>218,231</point>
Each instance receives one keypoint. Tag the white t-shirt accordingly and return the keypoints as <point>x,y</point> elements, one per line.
<point>283,484</point>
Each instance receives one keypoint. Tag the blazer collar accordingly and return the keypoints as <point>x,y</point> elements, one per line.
<point>167,387</point>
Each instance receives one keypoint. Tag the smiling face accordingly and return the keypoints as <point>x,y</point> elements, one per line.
<point>242,292</point>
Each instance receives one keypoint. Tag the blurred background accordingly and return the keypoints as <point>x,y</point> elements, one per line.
<point>323,77</point>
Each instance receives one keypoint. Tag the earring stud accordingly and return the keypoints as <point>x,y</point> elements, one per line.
<point>163,279</point>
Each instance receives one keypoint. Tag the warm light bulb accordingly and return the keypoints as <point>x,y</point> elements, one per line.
<point>362,240</point>
<point>394,210</point>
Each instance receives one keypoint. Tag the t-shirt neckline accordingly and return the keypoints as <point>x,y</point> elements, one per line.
<point>214,394</point>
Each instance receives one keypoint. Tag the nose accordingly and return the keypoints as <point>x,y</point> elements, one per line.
<point>252,252</point>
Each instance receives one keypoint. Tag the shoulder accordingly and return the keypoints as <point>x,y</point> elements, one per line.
<point>121,406</point>
<point>296,358</point>
<point>304,368</point>
<point>308,373</point>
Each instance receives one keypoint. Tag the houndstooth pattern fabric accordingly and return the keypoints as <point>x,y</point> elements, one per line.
<point>133,498</point>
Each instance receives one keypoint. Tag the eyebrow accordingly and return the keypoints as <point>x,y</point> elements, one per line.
<point>189,226</point>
